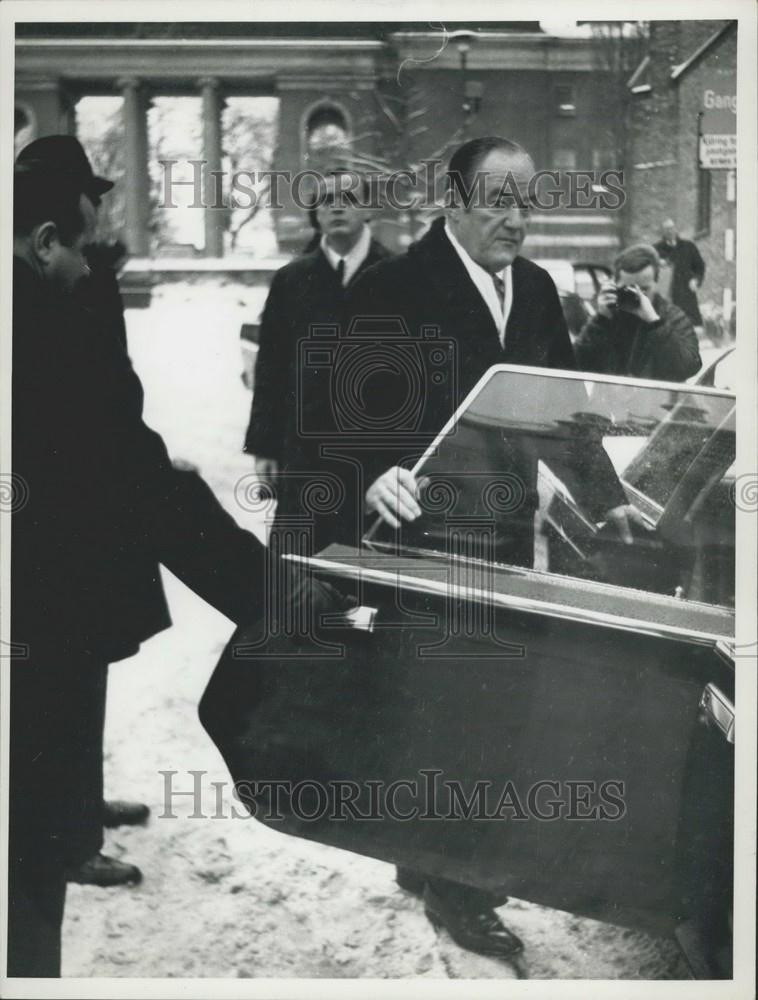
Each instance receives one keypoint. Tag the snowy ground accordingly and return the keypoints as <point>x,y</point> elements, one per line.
<point>229,897</point>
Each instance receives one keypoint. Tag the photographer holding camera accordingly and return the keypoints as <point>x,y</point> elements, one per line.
<point>636,331</point>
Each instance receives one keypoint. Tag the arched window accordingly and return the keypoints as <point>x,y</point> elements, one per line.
<point>327,134</point>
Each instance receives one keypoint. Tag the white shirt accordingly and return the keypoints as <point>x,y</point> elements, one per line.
<point>353,259</point>
<point>483,280</point>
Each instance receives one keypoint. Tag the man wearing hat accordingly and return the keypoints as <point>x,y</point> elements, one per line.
<point>101,298</point>
<point>100,505</point>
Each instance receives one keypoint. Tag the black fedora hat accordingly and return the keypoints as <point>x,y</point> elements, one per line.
<point>65,153</point>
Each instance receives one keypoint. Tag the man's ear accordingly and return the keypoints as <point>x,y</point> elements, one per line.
<point>45,240</point>
<point>453,209</point>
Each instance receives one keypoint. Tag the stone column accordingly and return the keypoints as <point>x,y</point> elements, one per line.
<point>215,214</point>
<point>136,177</point>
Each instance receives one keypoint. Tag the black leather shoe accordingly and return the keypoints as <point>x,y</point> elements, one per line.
<point>118,813</point>
<point>410,880</point>
<point>104,871</point>
<point>481,931</point>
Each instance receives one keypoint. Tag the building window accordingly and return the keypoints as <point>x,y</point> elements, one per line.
<point>603,158</point>
<point>564,159</point>
<point>703,203</point>
<point>564,101</point>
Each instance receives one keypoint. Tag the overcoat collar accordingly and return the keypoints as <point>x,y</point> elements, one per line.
<point>455,289</point>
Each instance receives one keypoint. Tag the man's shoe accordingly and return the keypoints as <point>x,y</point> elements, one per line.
<point>118,813</point>
<point>481,931</point>
<point>410,880</point>
<point>104,871</point>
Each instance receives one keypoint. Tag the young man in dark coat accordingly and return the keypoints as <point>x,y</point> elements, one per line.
<point>465,291</point>
<point>292,399</point>
<point>100,507</point>
<point>641,335</point>
<point>687,270</point>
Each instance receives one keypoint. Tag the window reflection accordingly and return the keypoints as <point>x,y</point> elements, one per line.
<point>534,461</point>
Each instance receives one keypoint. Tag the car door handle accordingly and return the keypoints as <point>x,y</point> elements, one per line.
<point>717,710</point>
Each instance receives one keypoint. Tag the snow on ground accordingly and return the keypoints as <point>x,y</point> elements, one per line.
<point>229,897</point>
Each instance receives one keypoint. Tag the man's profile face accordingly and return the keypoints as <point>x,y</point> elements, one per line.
<point>493,228</point>
<point>339,214</point>
<point>645,279</point>
<point>68,264</point>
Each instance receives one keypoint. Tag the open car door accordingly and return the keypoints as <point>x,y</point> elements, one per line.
<point>509,695</point>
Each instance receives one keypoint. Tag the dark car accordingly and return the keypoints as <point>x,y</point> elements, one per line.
<point>557,728</point>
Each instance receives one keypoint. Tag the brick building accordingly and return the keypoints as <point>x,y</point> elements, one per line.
<point>664,178</point>
<point>395,92</point>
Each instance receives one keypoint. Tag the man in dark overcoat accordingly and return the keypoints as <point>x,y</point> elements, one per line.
<point>99,295</point>
<point>687,270</point>
<point>98,507</point>
<point>465,292</point>
<point>291,411</point>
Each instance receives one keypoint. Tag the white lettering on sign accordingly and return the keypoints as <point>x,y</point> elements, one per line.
<point>718,152</point>
<point>713,101</point>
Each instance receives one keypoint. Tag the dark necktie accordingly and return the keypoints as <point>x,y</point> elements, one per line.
<point>499,284</point>
<point>341,271</point>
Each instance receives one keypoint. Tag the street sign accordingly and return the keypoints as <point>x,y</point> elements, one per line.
<point>717,132</point>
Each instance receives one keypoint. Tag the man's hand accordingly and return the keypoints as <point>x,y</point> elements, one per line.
<point>393,496</point>
<point>267,470</point>
<point>623,517</point>
<point>606,299</point>
<point>608,303</point>
<point>694,284</point>
<point>645,310</point>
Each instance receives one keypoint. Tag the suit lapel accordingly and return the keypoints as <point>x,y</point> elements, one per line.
<point>522,306</point>
<point>470,318</point>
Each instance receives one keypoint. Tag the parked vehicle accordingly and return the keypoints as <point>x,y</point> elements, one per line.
<point>719,368</point>
<point>578,285</point>
<point>602,670</point>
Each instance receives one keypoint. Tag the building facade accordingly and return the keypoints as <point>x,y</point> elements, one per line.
<point>392,95</point>
<point>684,60</point>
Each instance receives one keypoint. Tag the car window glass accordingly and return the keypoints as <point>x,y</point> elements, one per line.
<point>527,470</point>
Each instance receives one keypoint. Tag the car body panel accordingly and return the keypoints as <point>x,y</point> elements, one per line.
<point>501,690</point>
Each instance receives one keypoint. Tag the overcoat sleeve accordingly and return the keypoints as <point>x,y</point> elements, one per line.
<point>674,346</point>
<point>265,431</point>
<point>179,518</point>
<point>561,353</point>
<point>697,264</point>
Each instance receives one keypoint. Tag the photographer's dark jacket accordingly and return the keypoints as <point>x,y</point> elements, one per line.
<point>98,504</point>
<point>626,345</point>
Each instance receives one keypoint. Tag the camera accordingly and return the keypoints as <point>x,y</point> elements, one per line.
<point>627,298</point>
<point>373,381</point>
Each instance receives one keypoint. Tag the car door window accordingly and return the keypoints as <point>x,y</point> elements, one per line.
<point>528,469</point>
